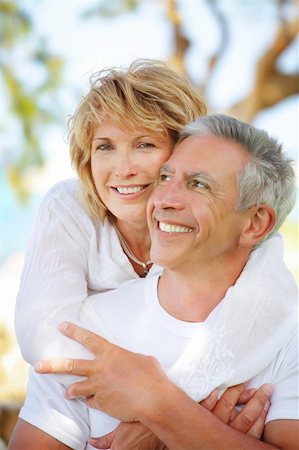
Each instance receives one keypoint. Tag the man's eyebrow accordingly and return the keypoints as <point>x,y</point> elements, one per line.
<point>166,168</point>
<point>200,175</point>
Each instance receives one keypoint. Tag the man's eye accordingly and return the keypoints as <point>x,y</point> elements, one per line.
<point>199,185</point>
<point>163,178</point>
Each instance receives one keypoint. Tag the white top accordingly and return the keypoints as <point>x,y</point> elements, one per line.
<point>71,256</point>
<point>142,325</point>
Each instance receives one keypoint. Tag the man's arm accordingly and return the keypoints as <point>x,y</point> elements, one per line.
<point>283,433</point>
<point>28,437</point>
<point>250,420</point>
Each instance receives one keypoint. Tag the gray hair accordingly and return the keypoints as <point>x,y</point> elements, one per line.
<point>268,178</point>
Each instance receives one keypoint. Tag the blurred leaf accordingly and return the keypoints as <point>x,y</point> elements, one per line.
<point>109,9</point>
<point>14,23</point>
<point>15,177</point>
<point>5,339</point>
<point>32,104</point>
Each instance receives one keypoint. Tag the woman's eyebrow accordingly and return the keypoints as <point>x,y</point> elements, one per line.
<point>101,138</point>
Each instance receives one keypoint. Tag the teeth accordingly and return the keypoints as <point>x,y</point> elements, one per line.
<point>129,189</point>
<point>167,228</point>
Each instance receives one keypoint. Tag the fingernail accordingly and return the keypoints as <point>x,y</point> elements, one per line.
<point>267,405</point>
<point>268,389</point>
<point>63,326</point>
<point>38,367</point>
<point>65,395</point>
<point>251,391</point>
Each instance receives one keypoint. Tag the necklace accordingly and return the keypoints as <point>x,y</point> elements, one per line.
<point>130,254</point>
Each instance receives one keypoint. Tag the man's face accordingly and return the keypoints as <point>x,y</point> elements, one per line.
<point>191,213</point>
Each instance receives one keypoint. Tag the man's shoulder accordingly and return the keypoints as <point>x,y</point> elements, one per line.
<point>284,364</point>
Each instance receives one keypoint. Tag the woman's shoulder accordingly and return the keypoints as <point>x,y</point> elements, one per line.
<point>62,200</point>
<point>64,188</point>
<point>64,194</point>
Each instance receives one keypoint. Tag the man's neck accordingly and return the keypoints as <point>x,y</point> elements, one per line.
<point>192,296</point>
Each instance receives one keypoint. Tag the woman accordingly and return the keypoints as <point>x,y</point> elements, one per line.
<point>91,235</point>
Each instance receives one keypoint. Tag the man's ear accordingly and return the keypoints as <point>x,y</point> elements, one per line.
<point>260,222</point>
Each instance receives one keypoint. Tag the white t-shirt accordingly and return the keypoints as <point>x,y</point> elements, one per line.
<point>132,317</point>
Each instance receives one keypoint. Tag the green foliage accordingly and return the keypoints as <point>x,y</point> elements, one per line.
<point>29,104</point>
<point>5,339</point>
<point>12,18</point>
<point>109,9</point>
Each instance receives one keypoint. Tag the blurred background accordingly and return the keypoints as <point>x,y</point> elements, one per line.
<point>243,55</point>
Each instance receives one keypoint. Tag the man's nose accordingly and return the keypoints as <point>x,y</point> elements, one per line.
<point>169,196</point>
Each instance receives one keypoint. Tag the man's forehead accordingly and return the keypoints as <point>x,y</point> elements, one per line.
<point>196,149</point>
<point>205,140</point>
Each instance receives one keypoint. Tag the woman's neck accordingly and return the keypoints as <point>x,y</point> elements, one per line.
<point>137,240</point>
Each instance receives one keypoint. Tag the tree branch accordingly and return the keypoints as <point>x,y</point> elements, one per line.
<point>271,85</point>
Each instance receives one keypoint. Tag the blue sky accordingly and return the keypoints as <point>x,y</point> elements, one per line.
<point>91,44</point>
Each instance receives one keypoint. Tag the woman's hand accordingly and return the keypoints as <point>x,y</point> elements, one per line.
<point>131,436</point>
<point>119,382</point>
<point>250,420</point>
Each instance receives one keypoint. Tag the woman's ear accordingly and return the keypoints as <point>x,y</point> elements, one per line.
<point>260,222</point>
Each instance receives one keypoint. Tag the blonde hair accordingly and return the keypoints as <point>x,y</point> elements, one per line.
<point>147,95</point>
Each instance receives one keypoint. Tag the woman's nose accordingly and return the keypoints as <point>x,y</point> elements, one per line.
<point>125,166</point>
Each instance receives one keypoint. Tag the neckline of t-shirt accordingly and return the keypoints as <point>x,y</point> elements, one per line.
<point>166,320</point>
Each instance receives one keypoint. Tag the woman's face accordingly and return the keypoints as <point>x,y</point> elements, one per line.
<point>125,165</point>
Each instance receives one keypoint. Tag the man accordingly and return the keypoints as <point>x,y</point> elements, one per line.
<point>204,222</point>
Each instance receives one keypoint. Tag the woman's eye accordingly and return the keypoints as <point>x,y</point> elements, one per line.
<point>104,147</point>
<point>145,145</point>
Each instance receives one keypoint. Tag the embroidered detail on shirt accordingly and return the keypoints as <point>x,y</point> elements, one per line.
<point>71,275</point>
<point>213,364</point>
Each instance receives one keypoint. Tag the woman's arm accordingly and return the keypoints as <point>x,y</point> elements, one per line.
<point>53,283</point>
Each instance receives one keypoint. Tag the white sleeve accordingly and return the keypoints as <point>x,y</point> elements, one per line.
<point>54,278</point>
<point>45,408</point>
<point>285,379</point>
